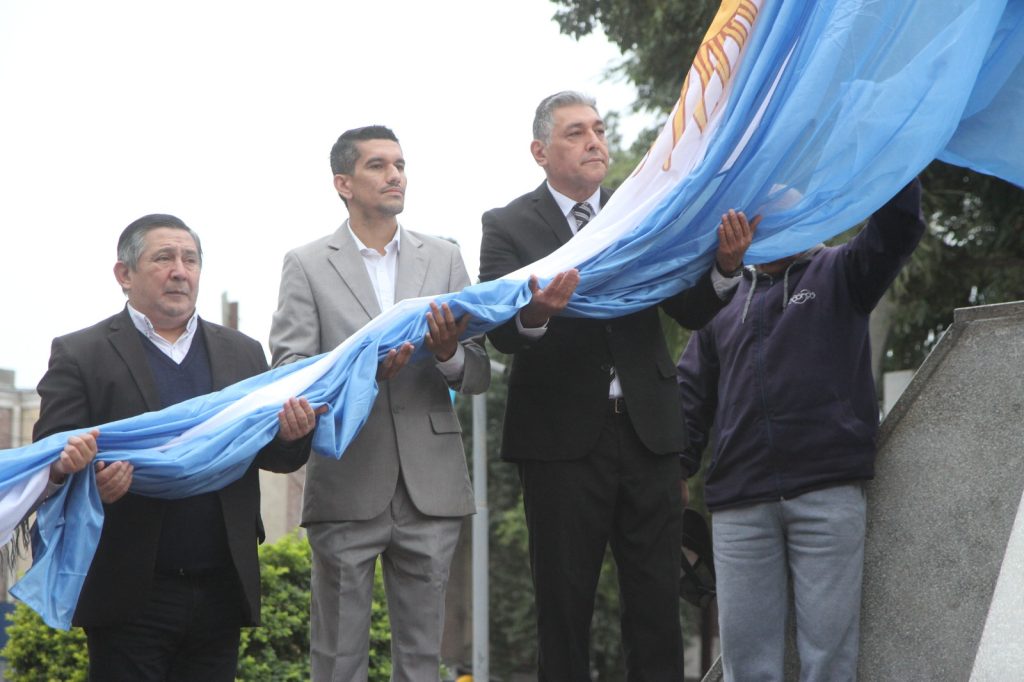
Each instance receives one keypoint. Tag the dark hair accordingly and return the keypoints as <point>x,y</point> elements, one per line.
<point>345,153</point>
<point>132,241</point>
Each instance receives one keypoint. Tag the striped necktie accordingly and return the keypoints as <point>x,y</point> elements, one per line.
<point>582,213</point>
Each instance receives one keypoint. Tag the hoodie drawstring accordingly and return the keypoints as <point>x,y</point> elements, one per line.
<point>750,294</point>
<point>785,287</point>
<point>753,285</point>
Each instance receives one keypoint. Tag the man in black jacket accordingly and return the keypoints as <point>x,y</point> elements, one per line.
<point>592,418</point>
<point>172,581</point>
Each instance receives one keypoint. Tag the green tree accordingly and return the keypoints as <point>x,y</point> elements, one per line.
<point>37,653</point>
<point>973,254</point>
<point>658,39</point>
<point>279,650</point>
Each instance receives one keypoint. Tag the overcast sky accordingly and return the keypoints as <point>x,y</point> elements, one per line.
<point>223,113</point>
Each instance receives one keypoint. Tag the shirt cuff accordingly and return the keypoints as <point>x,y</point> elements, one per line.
<point>533,333</point>
<point>51,489</point>
<point>724,285</point>
<point>453,367</point>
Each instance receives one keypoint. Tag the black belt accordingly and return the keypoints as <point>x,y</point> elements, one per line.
<point>617,405</point>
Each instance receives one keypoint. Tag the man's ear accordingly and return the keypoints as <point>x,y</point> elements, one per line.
<point>122,273</point>
<point>341,184</point>
<point>540,153</point>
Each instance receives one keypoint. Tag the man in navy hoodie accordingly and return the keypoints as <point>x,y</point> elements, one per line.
<point>789,362</point>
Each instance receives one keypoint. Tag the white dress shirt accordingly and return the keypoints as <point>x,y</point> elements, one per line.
<point>382,271</point>
<point>176,350</point>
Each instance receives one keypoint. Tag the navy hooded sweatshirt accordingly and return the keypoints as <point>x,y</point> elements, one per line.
<point>783,372</point>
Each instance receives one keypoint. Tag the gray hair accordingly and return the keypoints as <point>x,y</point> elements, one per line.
<point>543,120</point>
<point>132,241</point>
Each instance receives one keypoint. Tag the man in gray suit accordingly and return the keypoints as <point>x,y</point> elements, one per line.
<point>401,488</point>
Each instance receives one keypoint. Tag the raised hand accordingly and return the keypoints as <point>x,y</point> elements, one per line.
<point>734,237</point>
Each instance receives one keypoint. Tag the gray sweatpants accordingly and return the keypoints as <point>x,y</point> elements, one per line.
<point>817,541</point>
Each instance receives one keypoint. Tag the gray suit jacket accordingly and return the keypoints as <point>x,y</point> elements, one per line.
<point>325,297</point>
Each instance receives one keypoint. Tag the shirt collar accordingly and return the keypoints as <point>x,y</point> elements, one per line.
<point>565,204</point>
<point>392,246</point>
<point>143,324</point>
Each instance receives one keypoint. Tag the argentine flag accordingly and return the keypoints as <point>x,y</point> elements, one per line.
<point>812,114</point>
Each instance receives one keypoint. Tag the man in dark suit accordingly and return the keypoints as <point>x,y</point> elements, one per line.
<point>591,416</point>
<point>172,581</point>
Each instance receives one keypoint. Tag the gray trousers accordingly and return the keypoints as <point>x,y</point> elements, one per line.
<point>416,552</point>
<point>816,542</point>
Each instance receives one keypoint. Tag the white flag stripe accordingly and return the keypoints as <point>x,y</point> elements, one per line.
<point>16,501</point>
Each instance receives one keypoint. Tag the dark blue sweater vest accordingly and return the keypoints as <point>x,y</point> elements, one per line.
<point>192,536</point>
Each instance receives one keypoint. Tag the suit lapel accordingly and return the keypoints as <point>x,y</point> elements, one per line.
<point>549,212</point>
<point>124,337</point>
<point>346,260</point>
<point>411,270</point>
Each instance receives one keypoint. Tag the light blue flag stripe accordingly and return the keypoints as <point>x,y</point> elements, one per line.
<point>989,137</point>
<point>835,105</point>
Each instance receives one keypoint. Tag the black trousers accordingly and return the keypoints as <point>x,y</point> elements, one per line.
<point>188,631</point>
<point>620,494</point>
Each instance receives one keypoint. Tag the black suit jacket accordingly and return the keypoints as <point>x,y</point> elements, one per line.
<point>558,386</point>
<point>100,374</point>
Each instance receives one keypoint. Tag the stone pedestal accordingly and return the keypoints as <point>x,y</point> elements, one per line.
<point>943,504</point>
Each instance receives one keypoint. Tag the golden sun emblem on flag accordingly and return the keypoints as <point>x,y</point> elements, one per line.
<point>733,21</point>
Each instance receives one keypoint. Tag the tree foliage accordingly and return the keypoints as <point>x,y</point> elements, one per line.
<point>658,39</point>
<point>279,649</point>
<point>973,254</point>
<point>37,653</point>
